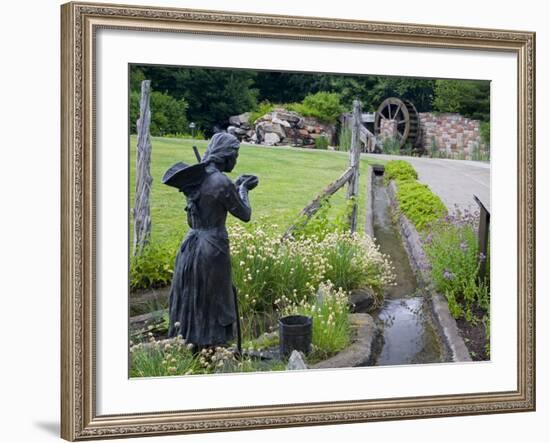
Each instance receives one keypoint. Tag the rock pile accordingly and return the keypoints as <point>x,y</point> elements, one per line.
<point>280,127</point>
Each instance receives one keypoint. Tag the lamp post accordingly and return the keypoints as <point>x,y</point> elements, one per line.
<point>192,127</point>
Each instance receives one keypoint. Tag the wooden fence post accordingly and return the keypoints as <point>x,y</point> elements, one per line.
<point>354,158</point>
<point>141,212</point>
<point>483,238</point>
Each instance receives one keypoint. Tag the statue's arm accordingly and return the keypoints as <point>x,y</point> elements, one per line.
<point>237,202</point>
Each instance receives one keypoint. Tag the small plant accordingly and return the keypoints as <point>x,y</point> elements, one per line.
<point>434,150</point>
<point>329,310</point>
<point>344,138</point>
<point>321,142</point>
<point>399,170</point>
<point>391,146</point>
<point>485,132</point>
<point>419,203</point>
<point>479,154</point>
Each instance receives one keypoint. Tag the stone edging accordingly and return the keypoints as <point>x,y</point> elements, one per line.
<point>363,349</point>
<point>446,324</point>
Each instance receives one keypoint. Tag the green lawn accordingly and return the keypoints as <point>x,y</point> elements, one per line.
<point>289,179</point>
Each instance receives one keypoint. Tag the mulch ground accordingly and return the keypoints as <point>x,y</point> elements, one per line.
<point>474,338</point>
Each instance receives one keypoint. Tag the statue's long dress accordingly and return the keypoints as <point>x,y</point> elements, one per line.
<point>201,295</point>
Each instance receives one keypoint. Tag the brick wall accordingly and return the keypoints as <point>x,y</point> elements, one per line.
<point>450,135</point>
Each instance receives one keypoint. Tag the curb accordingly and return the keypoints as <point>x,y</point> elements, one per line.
<point>362,351</point>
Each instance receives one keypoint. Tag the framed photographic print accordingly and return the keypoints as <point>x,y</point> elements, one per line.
<point>281,221</point>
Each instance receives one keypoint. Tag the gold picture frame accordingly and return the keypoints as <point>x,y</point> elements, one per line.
<point>80,21</point>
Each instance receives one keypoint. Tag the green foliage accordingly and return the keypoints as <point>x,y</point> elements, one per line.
<point>419,203</point>
<point>344,139</point>
<point>452,249</point>
<point>212,94</point>
<point>260,110</point>
<point>325,106</point>
<point>321,142</point>
<point>485,132</point>
<point>153,267</point>
<point>167,114</point>
<point>419,91</point>
<point>175,357</point>
<point>399,170</point>
<point>321,224</point>
<point>470,98</point>
<point>391,146</point>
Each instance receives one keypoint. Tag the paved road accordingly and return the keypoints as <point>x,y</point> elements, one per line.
<point>454,181</point>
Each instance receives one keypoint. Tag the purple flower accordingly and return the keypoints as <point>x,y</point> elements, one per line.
<point>448,275</point>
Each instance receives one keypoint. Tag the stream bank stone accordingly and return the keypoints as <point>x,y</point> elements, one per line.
<point>296,361</point>
<point>362,300</point>
<point>362,351</point>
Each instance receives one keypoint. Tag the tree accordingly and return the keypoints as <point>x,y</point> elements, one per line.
<point>212,95</point>
<point>470,98</point>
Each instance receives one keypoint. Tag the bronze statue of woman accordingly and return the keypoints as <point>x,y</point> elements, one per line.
<point>202,303</point>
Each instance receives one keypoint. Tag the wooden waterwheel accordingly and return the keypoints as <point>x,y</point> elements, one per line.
<point>404,121</point>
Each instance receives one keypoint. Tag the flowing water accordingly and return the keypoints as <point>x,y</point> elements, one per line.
<point>409,335</point>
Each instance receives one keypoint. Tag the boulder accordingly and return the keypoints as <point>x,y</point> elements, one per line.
<point>290,117</point>
<point>239,131</point>
<point>296,361</point>
<point>238,120</point>
<point>271,138</point>
<point>362,300</point>
<point>281,122</point>
<point>267,127</point>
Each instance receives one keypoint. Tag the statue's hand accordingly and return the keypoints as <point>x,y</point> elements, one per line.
<point>248,181</point>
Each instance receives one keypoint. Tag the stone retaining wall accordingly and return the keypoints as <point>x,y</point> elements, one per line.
<point>445,135</point>
<point>450,134</point>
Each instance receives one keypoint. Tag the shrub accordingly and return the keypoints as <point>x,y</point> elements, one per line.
<point>266,268</point>
<point>168,115</point>
<point>325,106</point>
<point>321,142</point>
<point>419,203</point>
<point>153,267</point>
<point>399,170</point>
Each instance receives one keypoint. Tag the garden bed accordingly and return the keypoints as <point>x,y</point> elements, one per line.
<point>443,252</point>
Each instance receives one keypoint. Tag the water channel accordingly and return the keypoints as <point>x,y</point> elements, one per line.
<point>408,333</point>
